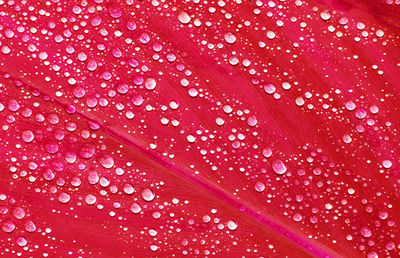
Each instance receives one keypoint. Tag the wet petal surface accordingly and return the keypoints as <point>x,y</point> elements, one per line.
<point>199,128</point>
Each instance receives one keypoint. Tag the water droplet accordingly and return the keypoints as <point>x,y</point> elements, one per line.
<point>150,83</point>
<point>19,213</point>
<point>115,12</point>
<point>230,38</point>
<point>279,167</point>
<point>325,15</point>
<point>128,189</point>
<point>135,208</point>
<point>183,17</point>
<point>30,226</point>
<point>90,199</point>
<point>267,152</point>
<point>27,136</point>
<point>219,121</point>
<point>64,198</point>
<point>260,187</point>
<point>387,163</point>
<point>252,121</point>
<point>8,226</point>
<point>21,241</point>
<point>232,225</point>
<point>87,151</point>
<point>366,232</point>
<point>297,217</point>
<point>106,161</point>
<point>271,35</point>
<point>148,195</point>
<point>91,65</point>
<point>190,138</point>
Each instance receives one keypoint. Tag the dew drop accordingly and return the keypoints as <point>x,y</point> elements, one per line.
<point>148,195</point>
<point>150,83</point>
<point>230,38</point>
<point>87,151</point>
<point>19,213</point>
<point>27,136</point>
<point>106,161</point>
<point>219,121</point>
<point>8,226</point>
<point>271,35</point>
<point>297,217</point>
<point>387,163</point>
<point>259,186</point>
<point>279,167</point>
<point>232,225</point>
<point>64,198</point>
<point>366,232</point>
<point>21,241</point>
<point>252,121</point>
<point>30,226</point>
<point>135,208</point>
<point>91,65</point>
<point>325,15</point>
<point>115,12</point>
<point>183,17</point>
<point>90,199</point>
<point>267,152</point>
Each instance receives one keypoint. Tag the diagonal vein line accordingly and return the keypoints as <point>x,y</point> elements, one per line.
<point>312,247</point>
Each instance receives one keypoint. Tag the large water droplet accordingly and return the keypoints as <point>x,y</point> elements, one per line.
<point>64,198</point>
<point>366,232</point>
<point>259,186</point>
<point>27,136</point>
<point>106,161</point>
<point>135,208</point>
<point>279,167</point>
<point>252,121</point>
<point>148,195</point>
<point>87,151</point>
<point>183,17</point>
<point>230,38</point>
<point>232,225</point>
<point>8,226</point>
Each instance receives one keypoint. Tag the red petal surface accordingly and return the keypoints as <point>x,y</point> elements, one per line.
<point>199,128</point>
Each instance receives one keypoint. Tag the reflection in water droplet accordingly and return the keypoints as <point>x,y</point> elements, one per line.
<point>115,12</point>
<point>150,83</point>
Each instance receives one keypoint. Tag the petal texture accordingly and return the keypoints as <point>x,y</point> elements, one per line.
<point>199,128</point>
